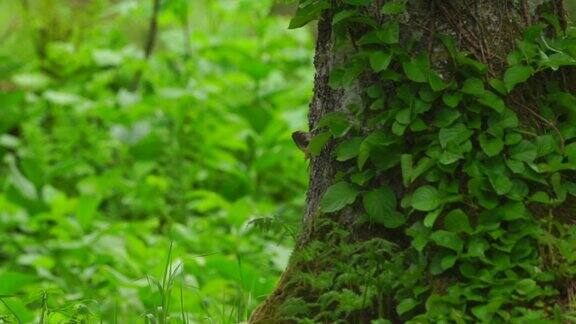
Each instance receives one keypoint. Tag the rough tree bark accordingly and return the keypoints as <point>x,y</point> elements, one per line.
<point>488,29</point>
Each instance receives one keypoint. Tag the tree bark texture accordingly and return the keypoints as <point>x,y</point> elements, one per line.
<point>487,29</point>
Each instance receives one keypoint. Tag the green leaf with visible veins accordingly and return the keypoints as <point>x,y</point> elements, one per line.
<point>426,198</point>
<point>448,240</point>
<point>457,221</point>
<point>492,146</point>
<point>516,75</point>
<point>380,204</point>
<point>380,60</point>
<point>338,196</point>
<point>414,72</point>
<point>348,149</point>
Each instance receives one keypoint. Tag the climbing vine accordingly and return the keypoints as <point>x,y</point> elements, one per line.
<point>482,213</point>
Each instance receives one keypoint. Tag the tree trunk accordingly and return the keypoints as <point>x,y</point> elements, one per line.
<point>347,269</point>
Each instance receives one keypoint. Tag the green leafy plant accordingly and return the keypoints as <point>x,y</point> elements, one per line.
<point>482,192</point>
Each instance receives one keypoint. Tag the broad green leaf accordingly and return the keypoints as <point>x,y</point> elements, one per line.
<point>448,261</point>
<point>499,86</point>
<point>431,217</point>
<point>343,16</point>
<point>492,146</point>
<point>477,246</point>
<point>380,205</point>
<point>448,240</point>
<point>406,305</point>
<point>390,33</point>
<point>348,149</point>
<point>435,81</point>
<point>516,75</point>
<point>414,71</point>
<point>318,142</point>
<point>501,183</point>
<point>380,60</point>
<point>524,151</point>
<point>486,311</point>
<point>526,286</point>
<point>377,138</point>
<point>12,282</point>
<point>338,196</point>
<point>394,7</point>
<point>545,145</point>
<point>426,198</point>
<point>513,211</point>
<point>540,197</point>
<point>571,153</point>
<point>404,116</point>
<point>452,100</point>
<point>337,122</point>
<point>489,99</point>
<point>457,221</point>
<point>557,60</point>
<point>308,11</point>
<point>473,86</point>
<point>454,135</point>
<point>419,234</point>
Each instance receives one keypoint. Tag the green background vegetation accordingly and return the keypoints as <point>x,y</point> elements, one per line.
<point>178,199</point>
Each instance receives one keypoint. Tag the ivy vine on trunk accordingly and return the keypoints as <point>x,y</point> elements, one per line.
<point>443,181</point>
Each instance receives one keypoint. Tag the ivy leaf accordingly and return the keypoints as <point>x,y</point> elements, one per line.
<point>394,7</point>
<point>426,198</point>
<point>338,196</point>
<point>455,134</point>
<point>380,204</point>
<point>477,246</point>
<point>489,99</point>
<point>337,122</point>
<point>390,33</point>
<point>452,100</point>
<point>435,81</point>
<point>380,60</point>
<point>431,217</point>
<point>419,234</point>
<point>373,140</point>
<point>343,15</point>
<point>317,143</point>
<point>499,86</point>
<point>414,71</point>
<point>526,286</point>
<point>308,11</point>
<point>492,146</point>
<point>406,305</point>
<point>571,153</point>
<point>448,240</point>
<point>457,221</point>
<point>524,151</point>
<point>473,86</point>
<point>545,145</point>
<point>348,149</point>
<point>516,75</point>
<point>448,262</point>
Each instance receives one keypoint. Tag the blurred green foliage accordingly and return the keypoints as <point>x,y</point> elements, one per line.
<point>178,200</point>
